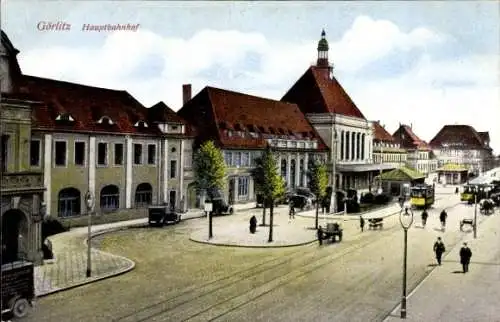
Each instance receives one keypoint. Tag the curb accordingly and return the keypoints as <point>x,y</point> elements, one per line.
<point>252,246</point>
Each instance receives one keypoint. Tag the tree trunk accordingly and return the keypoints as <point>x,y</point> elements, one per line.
<point>317,215</point>
<point>263,214</point>
<point>210,225</point>
<point>271,222</point>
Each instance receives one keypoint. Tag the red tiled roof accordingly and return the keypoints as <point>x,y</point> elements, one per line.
<point>315,92</point>
<point>380,133</point>
<point>214,111</point>
<point>86,105</point>
<point>460,136</point>
<point>485,136</point>
<point>408,139</point>
<point>160,112</point>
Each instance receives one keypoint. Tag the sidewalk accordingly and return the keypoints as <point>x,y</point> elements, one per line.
<point>449,295</point>
<point>68,269</point>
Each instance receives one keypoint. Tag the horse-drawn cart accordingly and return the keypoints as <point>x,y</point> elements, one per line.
<point>466,221</point>
<point>374,223</point>
<point>332,231</point>
<point>18,289</point>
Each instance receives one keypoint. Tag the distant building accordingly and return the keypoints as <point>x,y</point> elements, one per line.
<point>243,126</point>
<point>338,120</point>
<point>386,150</point>
<point>21,187</point>
<point>463,145</point>
<point>420,155</point>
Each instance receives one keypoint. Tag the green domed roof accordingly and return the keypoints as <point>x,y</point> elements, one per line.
<point>323,43</point>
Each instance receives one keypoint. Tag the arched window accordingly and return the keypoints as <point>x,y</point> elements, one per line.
<point>292,173</point>
<point>347,148</point>
<point>342,143</point>
<point>301,173</point>
<point>143,195</point>
<point>68,203</point>
<point>110,198</point>
<point>363,146</point>
<point>283,168</point>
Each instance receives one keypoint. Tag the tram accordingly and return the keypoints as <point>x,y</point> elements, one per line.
<point>468,193</point>
<point>422,196</point>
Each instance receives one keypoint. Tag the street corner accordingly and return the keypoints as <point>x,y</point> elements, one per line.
<point>284,235</point>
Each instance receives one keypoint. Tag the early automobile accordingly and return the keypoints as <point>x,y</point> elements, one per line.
<point>161,215</point>
<point>18,289</point>
<point>221,207</point>
<point>333,230</point>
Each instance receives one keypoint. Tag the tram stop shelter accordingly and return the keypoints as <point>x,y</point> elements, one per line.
<point>452,173</point>
<point>394,180</point>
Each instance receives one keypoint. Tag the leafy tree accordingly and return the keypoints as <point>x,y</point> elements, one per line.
<point>318,182</point>
<point>268,183</point>
<point>209,172</point>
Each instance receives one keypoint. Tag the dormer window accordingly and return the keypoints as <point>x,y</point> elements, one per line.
<point>65,118</point>
<point>141,124</point>
<point>106,120</point>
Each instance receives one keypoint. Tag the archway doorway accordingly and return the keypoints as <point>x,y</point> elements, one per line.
<point>143,195</point>
<point>193,198</point>
<point>14,233</point>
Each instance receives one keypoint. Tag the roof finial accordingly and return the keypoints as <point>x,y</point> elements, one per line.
<point>323,33</point>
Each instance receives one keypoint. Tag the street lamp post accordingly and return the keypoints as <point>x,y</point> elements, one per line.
<point>406,220</point>
<point>208,210</point>
<point>475,213</point>
<point>89,202</point>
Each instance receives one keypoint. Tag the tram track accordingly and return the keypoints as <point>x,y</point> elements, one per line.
<point>197,302</point>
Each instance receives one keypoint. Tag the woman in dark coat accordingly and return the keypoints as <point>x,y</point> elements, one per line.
<point>253,224</point>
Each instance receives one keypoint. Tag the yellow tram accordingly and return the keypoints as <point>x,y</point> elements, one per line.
<point>468,193</point>
<point>422,196</point>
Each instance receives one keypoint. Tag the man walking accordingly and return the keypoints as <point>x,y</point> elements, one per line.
<point>439,249</point>
<point>465,255</point>
<point>291,214</point>
<point>425,215</point>
<point>442,218</point>
<point>361,223</point>
<point>320,235</point>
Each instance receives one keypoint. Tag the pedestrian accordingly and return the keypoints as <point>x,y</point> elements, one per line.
<point>320,235</point>
<point>442,218</point>
<point>439,249</point>
<point>465,255</point>
<point>361,223</point>
<point>425,215</point>
<point>291,214</point>
<point>253,224</point>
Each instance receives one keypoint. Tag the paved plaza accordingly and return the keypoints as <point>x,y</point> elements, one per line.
<point>359,279</point>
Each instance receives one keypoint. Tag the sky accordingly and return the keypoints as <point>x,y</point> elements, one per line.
<point>424,63</point>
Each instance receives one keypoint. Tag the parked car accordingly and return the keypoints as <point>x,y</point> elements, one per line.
<point>303,191</point>
<point>221,207</point>
<point>301,202</point>
<point>162,215</point>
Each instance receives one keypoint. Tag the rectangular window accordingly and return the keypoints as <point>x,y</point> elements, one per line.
<point>5,152</point>
<point>137,153</point>
<point>228,158</point>
<point>118,154</point>
<point>60,153</point>
<point>79,153</point>
<point>173,168</point>
<point>102,153</point>
<point>243,188</point>
<point>237,159</point>
<point>35,153</point>
<point>151,154</point>
<point>245,159</point>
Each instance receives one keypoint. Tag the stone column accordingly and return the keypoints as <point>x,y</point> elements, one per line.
<point>251,195</point>
<point>128,173</point>
<point>235,191</point>
<point>181,174</point>
<point>297,170</point>
<point>306,162</point>
<point>288,163</point>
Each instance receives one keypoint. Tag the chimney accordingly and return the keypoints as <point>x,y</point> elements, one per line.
<point>186,93</point>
